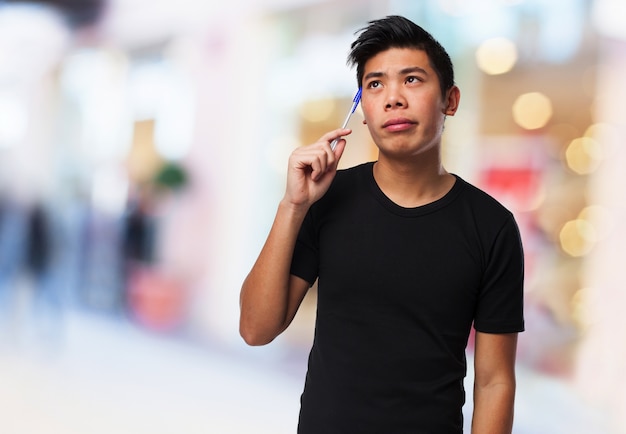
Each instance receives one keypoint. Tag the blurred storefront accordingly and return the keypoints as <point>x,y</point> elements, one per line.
<point>156,137</point>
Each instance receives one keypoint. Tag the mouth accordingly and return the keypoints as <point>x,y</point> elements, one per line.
<point>399,124</point>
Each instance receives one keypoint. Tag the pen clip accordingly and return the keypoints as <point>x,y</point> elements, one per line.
<point>355,103</point>
<point>357,99</point>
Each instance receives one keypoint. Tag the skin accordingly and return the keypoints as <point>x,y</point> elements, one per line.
<point>405,112</point>
<point>270,295</point>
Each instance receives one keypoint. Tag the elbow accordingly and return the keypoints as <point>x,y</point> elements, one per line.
<point>252,337</point>
<point>256,327</point>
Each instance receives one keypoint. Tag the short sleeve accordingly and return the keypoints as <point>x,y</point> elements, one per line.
<point>305,261</point>
<point>500,307</point>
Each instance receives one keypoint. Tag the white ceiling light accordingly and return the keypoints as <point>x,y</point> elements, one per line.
<point>32,41</point>
<point>609,18</point>
<point>13,119</point>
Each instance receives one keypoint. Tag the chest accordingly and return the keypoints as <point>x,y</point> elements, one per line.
<point>428,265</point>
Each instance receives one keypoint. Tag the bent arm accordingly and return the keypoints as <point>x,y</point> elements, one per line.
<point>270,296</point>
<point>494,385</point>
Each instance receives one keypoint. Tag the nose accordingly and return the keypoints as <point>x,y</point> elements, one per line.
<point>394,99</point>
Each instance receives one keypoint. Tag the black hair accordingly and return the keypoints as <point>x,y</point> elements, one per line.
<point>398,32</point>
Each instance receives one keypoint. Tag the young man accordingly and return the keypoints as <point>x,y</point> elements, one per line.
<point>407,257</point>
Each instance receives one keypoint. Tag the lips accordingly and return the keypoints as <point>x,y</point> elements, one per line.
<point>398,124</point>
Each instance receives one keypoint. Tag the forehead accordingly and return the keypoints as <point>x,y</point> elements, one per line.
<point>396,59</point>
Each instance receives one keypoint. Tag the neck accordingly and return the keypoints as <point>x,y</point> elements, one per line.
<point>413,182</point>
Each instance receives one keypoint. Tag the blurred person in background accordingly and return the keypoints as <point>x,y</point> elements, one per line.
<point>137,236</point>
<point>38,244</point>
<point>39,266</point>
<point>31,305</point>
<point>407,257</point>
<point>11,244</point>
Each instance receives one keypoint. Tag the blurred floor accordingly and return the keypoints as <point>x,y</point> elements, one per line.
<point>107,376</point>
<point>110,377</point>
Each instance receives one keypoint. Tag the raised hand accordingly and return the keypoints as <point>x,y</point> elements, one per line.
<point>312,169</point>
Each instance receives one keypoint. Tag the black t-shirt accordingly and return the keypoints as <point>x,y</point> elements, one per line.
<point>398,291</point>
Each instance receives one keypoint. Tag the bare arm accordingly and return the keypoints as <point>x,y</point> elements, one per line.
<point>270,295</point>
<point>494,386</point>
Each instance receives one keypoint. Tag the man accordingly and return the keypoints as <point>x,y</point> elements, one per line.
<point>407,256</point>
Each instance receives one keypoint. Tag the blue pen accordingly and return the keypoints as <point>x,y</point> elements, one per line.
<point>355,103</point>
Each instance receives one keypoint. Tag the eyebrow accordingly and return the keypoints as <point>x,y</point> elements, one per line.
<point>404,71</point>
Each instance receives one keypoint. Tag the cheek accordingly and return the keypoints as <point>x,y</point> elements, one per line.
<point>367,111</point>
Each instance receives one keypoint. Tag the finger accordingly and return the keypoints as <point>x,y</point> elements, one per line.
<point>335,134</point>
<point>316,162</point>
<point>316,168</point>
<point>338,151</point>
<point>330,159</point>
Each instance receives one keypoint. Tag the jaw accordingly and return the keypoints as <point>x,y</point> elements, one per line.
<point>417,151</point>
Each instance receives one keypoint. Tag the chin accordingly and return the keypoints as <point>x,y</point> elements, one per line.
<point>406,150</point>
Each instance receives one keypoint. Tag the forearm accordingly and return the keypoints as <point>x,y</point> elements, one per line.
<point>270,296</point>
<point>493,408</point>
<point>264,299</point>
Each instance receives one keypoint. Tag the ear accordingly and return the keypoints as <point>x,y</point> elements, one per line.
<point>451,104</point>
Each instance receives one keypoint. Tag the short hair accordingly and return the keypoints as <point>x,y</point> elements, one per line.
<point>395,31</point>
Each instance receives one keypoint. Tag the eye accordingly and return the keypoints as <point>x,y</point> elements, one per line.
<point>373,84</point>
<point>413,79</point>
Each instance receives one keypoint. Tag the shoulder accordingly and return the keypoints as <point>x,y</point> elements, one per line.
<point>358,172</point>
<point>349,179</point>
<point>484,214</point>
<point>349,184</point>
<point>481,201</point>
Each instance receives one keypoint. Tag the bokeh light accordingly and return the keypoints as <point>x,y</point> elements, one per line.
<point>602,220</point>
<point>577,237</point>
<point>317,110</point>
<point>532,110</point>
<point>496,56</point>
<point>583,155</point>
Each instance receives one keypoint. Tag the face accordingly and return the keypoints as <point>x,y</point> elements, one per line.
<point>402,102</point>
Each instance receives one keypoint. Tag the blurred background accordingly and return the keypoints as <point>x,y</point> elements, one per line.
<point>143,147</point>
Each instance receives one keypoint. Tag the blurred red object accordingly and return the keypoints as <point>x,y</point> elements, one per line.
<point>517,186</point>
<point>156,299</point>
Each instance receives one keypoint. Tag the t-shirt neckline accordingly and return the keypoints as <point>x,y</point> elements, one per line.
<point>428,208</point>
